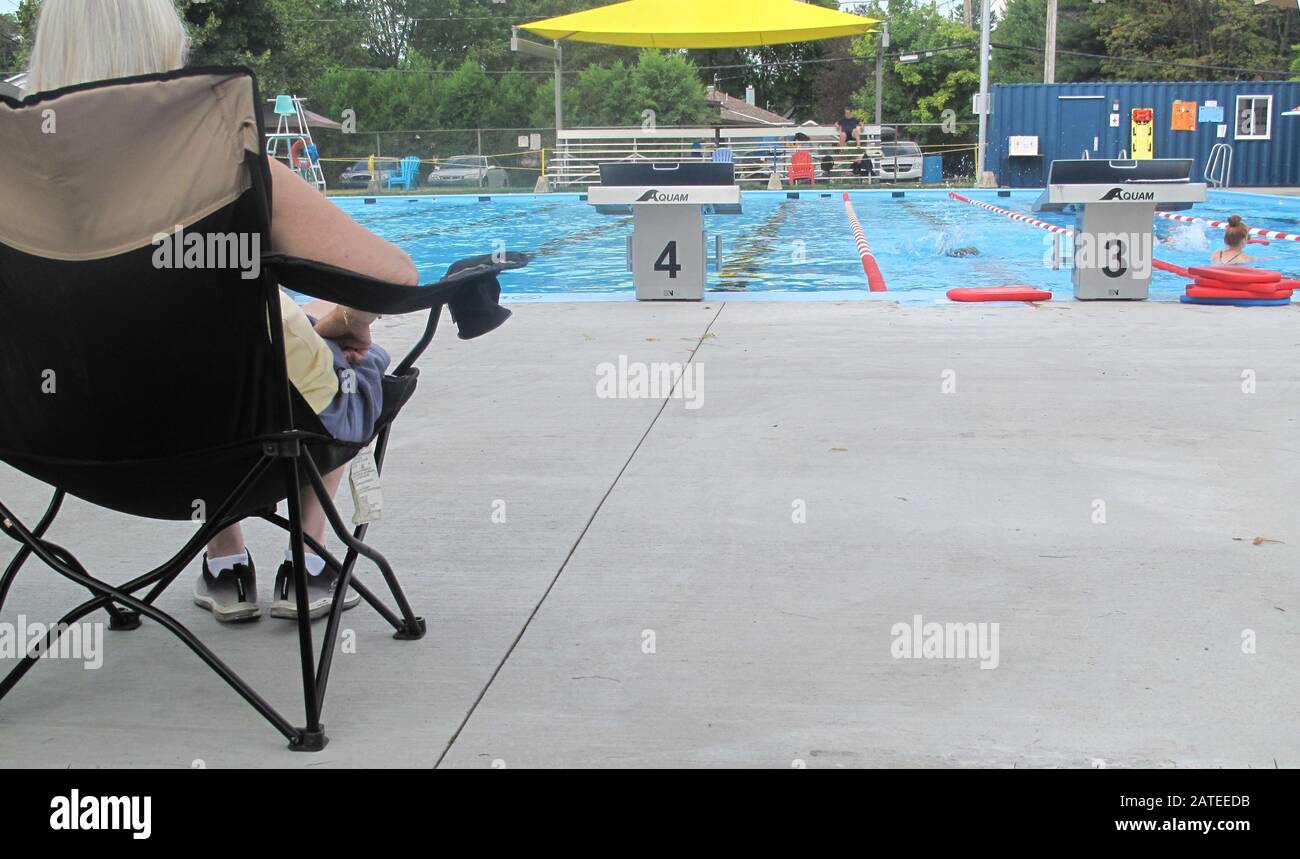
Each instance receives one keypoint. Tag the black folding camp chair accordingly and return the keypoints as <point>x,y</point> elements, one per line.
<point>162,392</point>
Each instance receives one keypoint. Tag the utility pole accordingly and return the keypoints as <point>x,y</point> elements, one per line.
<point>880,67</point>
<point>1049,52</point>
<point>967,13</point>
<point>983,100</point>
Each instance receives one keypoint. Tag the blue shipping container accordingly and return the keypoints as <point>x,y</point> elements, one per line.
<point>1071,119</point>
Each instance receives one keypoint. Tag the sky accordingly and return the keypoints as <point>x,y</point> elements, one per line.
<point>8,5</point>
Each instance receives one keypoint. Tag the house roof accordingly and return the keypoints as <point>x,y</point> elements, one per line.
<point>737,111</point>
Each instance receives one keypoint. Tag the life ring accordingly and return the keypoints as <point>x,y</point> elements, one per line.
<point>1215,283</point>
<point>298,157</point>
<point>1236,302</point>
<point>1212,292</point>
<point>998,293</point>
<point>1235,274</point>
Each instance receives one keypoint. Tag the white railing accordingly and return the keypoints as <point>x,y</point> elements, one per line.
<point>1218,168</point>
<point>578,164</point>
<point>757,154</point>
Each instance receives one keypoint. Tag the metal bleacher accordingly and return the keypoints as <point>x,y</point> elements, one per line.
<point>755,152</point>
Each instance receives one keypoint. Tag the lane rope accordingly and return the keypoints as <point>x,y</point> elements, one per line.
<point>1065,231</point>
<point>1223,225</point>
<point>1015,216</point>
<point>875,280</point>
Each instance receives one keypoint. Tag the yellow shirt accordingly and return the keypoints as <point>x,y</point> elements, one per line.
<point>309,359</point>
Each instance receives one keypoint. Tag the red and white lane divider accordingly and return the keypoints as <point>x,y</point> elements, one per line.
<point>1043,225</point>
<point>1015,216</point>
<point>875,280</point>
<point>1222,225</point>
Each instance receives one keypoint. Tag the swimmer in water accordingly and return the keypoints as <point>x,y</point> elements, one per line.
<point>1235,237</point>
<point>961,253</point>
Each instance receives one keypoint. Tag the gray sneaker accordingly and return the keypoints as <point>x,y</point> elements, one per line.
<point>320,594</point>
<point>231,595</point>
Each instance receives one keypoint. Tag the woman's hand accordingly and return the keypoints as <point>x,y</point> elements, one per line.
<point>350,329</point>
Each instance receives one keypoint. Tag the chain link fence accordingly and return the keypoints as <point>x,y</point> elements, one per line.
<point>450,160</point>
<point>467,160</point>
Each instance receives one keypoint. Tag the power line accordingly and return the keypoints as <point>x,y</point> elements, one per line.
<point>546,73</point>
<point>1146,62</point>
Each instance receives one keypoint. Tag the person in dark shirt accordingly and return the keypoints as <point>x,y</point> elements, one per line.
<point>849,126</point>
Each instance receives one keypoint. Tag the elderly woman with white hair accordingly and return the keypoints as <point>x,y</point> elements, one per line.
<point>81,41</point>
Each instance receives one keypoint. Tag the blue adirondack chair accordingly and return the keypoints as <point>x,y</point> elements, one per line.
<point>406,174</point>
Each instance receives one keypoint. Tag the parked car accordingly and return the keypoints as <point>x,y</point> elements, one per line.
<point>358,175</point>
<point>477,170</point>
<point>902,160</point>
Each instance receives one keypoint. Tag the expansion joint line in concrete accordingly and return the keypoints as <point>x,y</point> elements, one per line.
<point>574,548</point>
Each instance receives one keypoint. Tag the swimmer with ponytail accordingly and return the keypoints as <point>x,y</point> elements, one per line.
<point>1235,237</point>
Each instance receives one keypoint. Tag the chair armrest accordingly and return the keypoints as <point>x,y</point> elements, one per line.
<point>470,289</point>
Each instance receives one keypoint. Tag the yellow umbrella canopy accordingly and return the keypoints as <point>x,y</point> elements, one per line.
<point>703,24</point>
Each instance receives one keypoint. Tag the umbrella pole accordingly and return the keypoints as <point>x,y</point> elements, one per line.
<point>559,86</point>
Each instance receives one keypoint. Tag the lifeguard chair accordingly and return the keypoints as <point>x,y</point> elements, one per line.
<point>300,151</point>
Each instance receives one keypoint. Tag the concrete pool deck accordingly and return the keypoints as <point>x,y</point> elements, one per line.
<point>1094,482</point>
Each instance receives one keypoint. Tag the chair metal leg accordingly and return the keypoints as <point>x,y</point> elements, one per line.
<point>313,735</point>
<point>195,544</point>
<point>119,619</point>
<point>356,584</point>
<point>11,572</point>
<point>107,593</point>
<point>412,627</point>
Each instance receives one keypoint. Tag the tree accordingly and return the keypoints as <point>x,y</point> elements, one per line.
<point>448,31</point>
<point>837,81</point>
<point>784,77</point>
<point>662,81</point>
<point>24,19</point>
<point>604,95</point>
<point>1205,33</point>
<point>667,83</point>
<point>920,92</point>
<point>289,43</point>
<point>1025,24</point>
<point>10,43</point>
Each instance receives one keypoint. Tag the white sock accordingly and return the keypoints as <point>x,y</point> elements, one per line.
<point>217,566</point>
<point>315,563</point>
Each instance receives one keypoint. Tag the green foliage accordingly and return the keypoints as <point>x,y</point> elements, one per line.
<point>921,91</point>
<point>1025,23</point>
<point>1181,40</point>
<point>1206,32</point>
<point>289,43</point>
<point>785,77</point>
<point>670,86</point>
<point>24,22</point>
<point>419,64</point>
<point>10,43</point>
<point>664,82</point>
<point>604,95</point>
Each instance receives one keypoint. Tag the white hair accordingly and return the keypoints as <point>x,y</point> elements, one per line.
<point>78,41</point>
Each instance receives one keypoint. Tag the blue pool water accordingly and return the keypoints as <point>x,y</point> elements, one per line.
<point>797,248</point>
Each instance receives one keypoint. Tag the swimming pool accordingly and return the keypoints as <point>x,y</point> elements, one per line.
<point>797,247</point>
